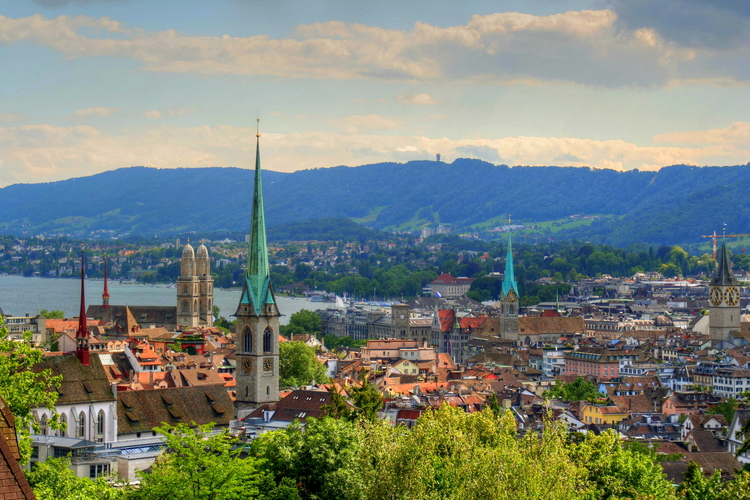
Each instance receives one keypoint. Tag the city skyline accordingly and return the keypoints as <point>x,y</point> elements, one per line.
<point>98,85</point>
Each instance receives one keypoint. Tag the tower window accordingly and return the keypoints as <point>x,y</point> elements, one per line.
<point>81,427</point>
<point>248,344</point>
<point>268,390</point>
<point>267,340</point>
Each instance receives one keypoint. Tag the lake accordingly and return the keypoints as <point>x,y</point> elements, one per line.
<point>20,295</point>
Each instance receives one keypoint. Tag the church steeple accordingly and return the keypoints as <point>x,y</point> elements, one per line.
<point>259,291</point>
<point>723,276</point>
<point>105,294</point>
<point>509,279</point>
<point>82,333</point>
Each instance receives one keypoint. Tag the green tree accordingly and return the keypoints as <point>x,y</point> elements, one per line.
<point>199,464</point>
<point>299,366</point>
<point>304,321</point>
<point>53,480</point>
<point>24,389</point>
<point>697,486</point>
<point>578,390</point>
<point>726,408</point>
<point>366,401</point>
<point>736,489</point>
<point>56,314</point>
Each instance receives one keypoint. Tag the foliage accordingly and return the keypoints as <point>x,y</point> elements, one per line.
<point>697,486</point>
<point>726,408</point>
<point>615,472</point>
<point>53,480</point>
<point>301,322</point>
<point>333,342</point>
<point>736,489</point>
<point>299,366</point>
<point>578,390</point>
<point>24,389</point>
<point>322,460</point>
<point>365,404</point>
<point>56,314</point>
<point>200,465</point>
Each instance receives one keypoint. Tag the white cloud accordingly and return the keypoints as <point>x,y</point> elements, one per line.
<point>365,123</point>
<point>10,118</point>
<point>737,134</point>
<point>152,114</point>
<point>43,152</point>
<point>584,47</point>
<point>419,99</point>
<point>180,111</point>
<point>99,111</point>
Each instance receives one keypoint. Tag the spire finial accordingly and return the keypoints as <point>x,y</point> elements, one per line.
<point>508,218</point>
<point>257,130</point>
<point>188,241</point>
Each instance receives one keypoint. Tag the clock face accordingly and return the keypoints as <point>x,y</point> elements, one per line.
<point>715,296</point>
<point>731,296</point>
<point>511,297</point>
<point>247,365</point>
<point>402,316</point>
<point>268,364</point>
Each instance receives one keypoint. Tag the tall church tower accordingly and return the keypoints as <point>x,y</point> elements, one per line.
<point>205,286</point>
<point>257,315</point>
<point>187,290</point>
<point>509,299</point>
<point>724,299</point>
<point>82,333</point>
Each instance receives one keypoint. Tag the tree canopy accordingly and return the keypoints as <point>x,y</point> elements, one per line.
<point>299,366</point>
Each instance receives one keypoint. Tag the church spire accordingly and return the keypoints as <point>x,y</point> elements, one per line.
<point>258,271</point>
<point>723,276</point>
<point>105,294</point>
<point>509,279</point>
<point>82,333</point>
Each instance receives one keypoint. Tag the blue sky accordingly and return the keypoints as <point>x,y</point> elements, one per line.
<point>94,85</point>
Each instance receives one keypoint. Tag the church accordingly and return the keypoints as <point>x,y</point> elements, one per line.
<point>724,314</point>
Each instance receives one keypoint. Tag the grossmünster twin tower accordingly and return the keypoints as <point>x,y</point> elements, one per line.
<point>257,314</point>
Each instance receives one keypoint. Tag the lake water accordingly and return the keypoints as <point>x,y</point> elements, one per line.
<point>20,295</point>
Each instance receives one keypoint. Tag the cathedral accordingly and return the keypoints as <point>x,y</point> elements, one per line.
<point>195,288</point>
<point>257,315</point>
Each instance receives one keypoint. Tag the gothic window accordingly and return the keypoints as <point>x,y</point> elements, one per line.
<point>268,390</point>
<point>43,426</point>
<point>184,289</point>
<point>267,340</point>
<point>246,391</point>
<point>81,426</point>
<point>63,426</point>
<point>184,306</point>
<point>248,340</point>
<point>100,427</point>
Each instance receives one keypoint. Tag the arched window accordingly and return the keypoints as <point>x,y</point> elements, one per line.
<point>63,425</point>
<point>100,427</point>
<point>43,426</point>
<point>246,391</point>
<point>248,340</point>
<point>81,426</point>
<point>268,390</point>
<point>267,340</point>
<point>184,306</point>
<point>184,289</point>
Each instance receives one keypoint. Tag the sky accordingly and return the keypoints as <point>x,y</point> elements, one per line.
<point>94,85</point>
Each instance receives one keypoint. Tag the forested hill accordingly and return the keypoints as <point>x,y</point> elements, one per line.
<point>673,205</point>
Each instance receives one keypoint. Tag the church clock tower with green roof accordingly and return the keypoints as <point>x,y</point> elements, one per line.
<point>257,315</point>
<point>509,299</point>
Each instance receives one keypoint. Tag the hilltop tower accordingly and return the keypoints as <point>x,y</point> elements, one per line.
<point>105,294</point>
<point>82,333</point>
<point>187,290</point>
<point>724,300</point>
<point>509,298</point>
<point>205,286</point>
<point>257,315</point>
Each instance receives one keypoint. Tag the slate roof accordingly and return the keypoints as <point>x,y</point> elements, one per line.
<point>533,325</point>
<point>301,404</point>
<point>141,411</point>
<point>80,384</point>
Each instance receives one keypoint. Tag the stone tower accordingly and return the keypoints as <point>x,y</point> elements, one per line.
<point>257,315</point>
<point>187,290</point>
<point>724,300</point>
<point>205,286</point>
<point>509,299</point>
<point>400,321</point>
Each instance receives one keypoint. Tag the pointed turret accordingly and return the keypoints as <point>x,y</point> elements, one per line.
<point>82,333</point>
<point>509,279</point>
<point>723,275</point>
<point>105,294</point>
<point>257,290</point>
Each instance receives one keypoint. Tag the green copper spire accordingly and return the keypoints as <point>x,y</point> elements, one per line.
<point>509,279</point>
<point>258,285</point>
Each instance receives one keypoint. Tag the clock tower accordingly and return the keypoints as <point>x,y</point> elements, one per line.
<point>724,300</point>
<point>257,315</point>
<point>509,299</point>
